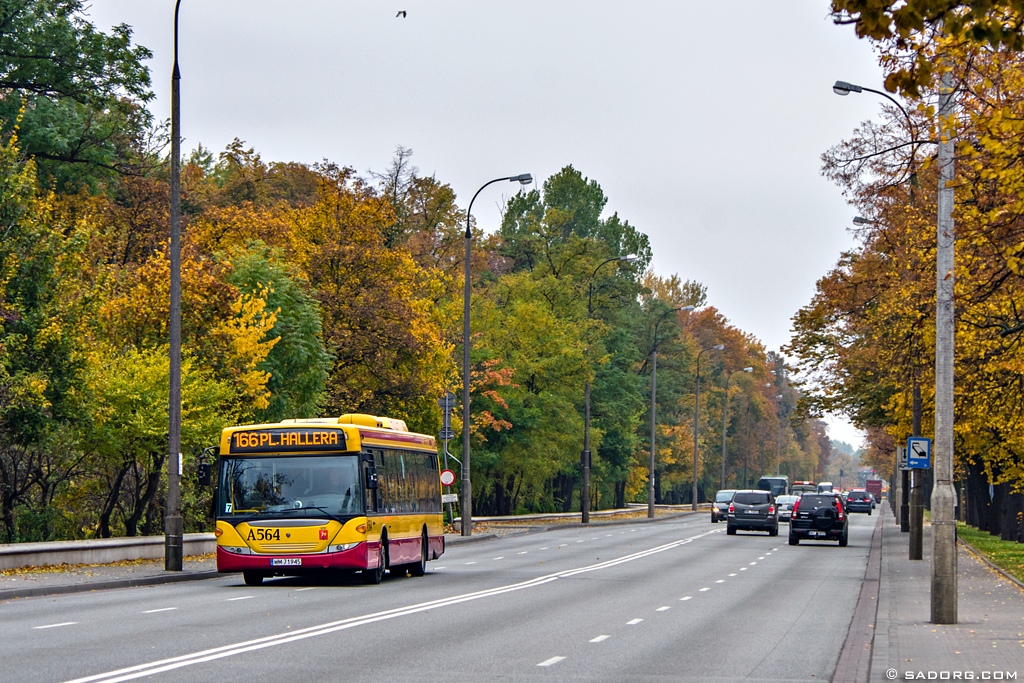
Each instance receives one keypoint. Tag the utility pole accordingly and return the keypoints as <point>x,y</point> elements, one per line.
<point>174,528</point>
<point>944,579</point>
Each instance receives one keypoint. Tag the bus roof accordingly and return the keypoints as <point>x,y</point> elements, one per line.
<point>347,433</point>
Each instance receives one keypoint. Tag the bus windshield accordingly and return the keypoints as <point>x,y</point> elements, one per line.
<point>286,485</point>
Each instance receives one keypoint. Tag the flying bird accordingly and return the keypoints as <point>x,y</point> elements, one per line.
<point>401,13</point>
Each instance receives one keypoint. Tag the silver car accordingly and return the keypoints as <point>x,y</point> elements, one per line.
<point>785,506</point>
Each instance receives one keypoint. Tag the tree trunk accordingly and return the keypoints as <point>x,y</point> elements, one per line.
<point>995,511</point>
<point>111,503</point>
<point>1012,511</point>
<point>977,495</point>
<point>620,494</point>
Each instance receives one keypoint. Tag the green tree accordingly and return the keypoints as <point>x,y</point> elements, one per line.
<point>298,364</point>
<point>82,92</point>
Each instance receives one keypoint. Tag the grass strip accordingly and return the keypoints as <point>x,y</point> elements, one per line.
<point>1007,555</point>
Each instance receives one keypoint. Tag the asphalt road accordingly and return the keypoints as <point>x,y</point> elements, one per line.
<point>672,600</point>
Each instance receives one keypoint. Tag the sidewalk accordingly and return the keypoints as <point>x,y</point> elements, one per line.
<point>986,643</point>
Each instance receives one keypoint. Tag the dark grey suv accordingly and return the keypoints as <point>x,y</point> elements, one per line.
<point>819,517</point>
<point>754,511</point>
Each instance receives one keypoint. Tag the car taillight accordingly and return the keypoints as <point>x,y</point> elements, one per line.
<point>796,505</point>
<point>840,513</point>
<point>732,508</point>
<point>771,509</point>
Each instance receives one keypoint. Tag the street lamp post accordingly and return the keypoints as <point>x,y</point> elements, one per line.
<point>585,456</point>
<point>173,524</point>
<point>944,560</point>
<point>696,422</point>
<point>654,402</point>
<point>778,442</point>
<point>725,417</point>
<point>466,486</point>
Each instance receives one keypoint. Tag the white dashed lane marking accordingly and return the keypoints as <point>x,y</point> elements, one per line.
<point>688,597</point>
<point>162,609</point>
<point>633,622</point>
<point>663,609</point>
<point>63,623</point>
<point>549,662</point>
<point>599,639</point>
<point>244,597</point>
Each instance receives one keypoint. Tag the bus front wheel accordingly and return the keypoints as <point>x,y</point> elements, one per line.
<point>375,576</point>
<point>420,568</point>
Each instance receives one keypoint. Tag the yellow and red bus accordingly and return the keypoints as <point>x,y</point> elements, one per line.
<point>353,493</point>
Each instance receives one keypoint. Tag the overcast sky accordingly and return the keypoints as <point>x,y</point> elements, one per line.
<point>704,122</point>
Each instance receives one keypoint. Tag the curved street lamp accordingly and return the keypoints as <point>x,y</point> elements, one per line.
<point>725,414</point>
<point>696,422</point>
<point>654,402</point>
<point>585,456</point>
<point>465,486</point>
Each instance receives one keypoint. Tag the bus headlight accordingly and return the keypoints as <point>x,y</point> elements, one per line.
<point>341,548</point>
<point>237,550</point>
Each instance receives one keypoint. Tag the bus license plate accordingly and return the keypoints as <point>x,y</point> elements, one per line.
<point>286,562</point>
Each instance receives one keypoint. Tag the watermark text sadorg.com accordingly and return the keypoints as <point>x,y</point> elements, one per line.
<point>893,674</point>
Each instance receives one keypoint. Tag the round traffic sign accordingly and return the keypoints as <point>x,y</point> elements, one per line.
<point>447,477</point>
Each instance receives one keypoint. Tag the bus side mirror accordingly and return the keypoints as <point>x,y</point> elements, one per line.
<point>203,472</point>
<point>371,477</point>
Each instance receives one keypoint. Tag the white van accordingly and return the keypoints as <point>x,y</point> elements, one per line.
<point>824,487</point>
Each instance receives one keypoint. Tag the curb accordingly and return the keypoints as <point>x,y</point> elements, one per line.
<point>154,580</point>
<point>854,665</point>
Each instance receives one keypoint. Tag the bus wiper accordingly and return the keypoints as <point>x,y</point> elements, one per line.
<point>312,507</point>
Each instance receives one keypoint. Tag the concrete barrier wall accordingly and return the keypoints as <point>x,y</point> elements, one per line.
<point>98,551</point>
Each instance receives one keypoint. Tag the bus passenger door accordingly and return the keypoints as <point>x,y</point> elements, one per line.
<point>372,487</point>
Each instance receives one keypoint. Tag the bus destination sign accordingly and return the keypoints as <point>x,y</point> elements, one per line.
<point>287,440</point>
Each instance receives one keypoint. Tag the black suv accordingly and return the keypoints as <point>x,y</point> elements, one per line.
<point>859,500</point>
<point>819,517</point>
<point>753,510</point>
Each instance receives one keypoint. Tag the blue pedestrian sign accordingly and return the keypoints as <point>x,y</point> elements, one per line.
<point>919,453</point>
